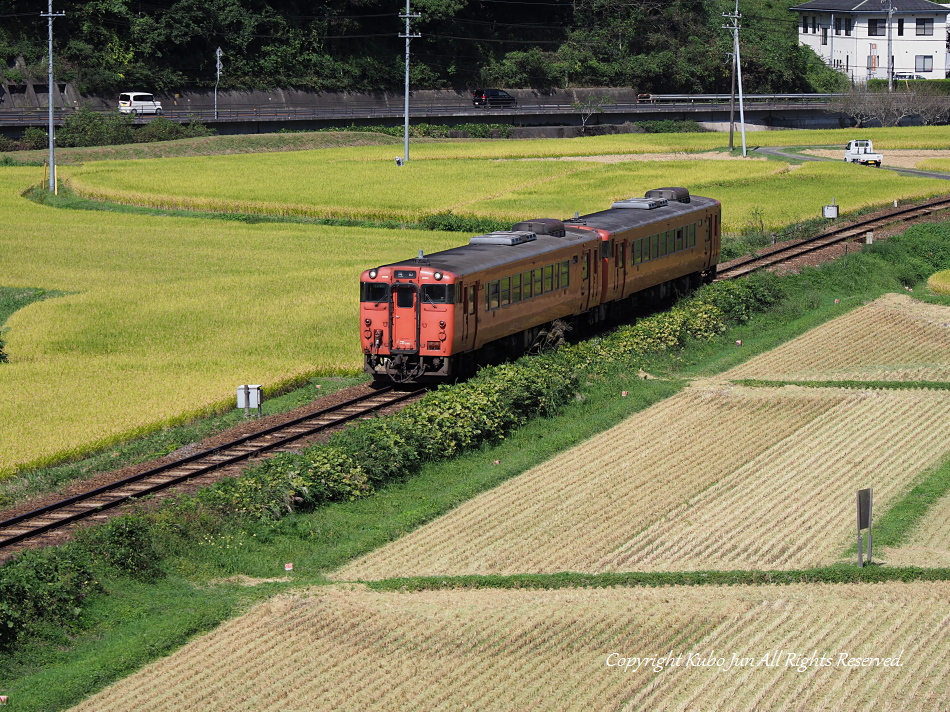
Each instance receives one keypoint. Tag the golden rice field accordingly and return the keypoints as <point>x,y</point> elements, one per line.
<point>166,316</point>
<point>505,188</point>
<point>940,282</point>
<point>692,483</point>
<point>935,164</point>
<point>804,647</point>
<point>894,338</point>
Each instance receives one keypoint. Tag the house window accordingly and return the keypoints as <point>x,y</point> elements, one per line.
<point>804,24</point>
<point>837,25</point>
<point>900,26</point>
<point>847,28</point>
<point>924,63</point>
<point>877,28</point>
<point>925,27</point>
<point>824,35</point>
<point>814,25</point>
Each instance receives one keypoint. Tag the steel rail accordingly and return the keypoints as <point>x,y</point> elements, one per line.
<point>748,265</point>
<point>223,455</point>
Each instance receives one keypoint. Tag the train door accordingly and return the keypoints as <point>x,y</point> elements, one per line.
<point>620,268</point>
<point>606,248</point>
<point>588,260</point>
<point>469,314</point>
<point>404,318</point>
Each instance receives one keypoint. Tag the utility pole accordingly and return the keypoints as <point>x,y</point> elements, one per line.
<point>408,17</point>
<point>738,64</point>
<point>890,48</point>
<point>218,66</point>
<point>49,14</point>
<point>732,104</point>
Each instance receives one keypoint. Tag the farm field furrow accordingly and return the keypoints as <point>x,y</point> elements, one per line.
<point>646,495</point>
<point>894,338</point>
<point>353,649</point>
<point>928,544</point>
<point>582,505</point>
<point>879,439</point>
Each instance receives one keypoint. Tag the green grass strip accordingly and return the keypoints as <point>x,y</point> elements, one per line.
<point>13,299</point>
<point>894,527</point>
<point>829,574</point>
<point>863,385</point>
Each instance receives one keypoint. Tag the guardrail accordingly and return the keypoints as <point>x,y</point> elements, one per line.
<point>648,103</point>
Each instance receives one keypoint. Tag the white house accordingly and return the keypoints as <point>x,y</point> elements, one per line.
<point>852,36</point>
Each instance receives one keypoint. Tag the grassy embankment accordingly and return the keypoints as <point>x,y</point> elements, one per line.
<point>114,641</point>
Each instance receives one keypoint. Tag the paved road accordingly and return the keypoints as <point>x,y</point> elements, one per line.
<point>785,152</point>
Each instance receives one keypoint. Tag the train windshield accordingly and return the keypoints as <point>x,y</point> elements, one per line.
<point>374,291</point>
<point>438,293</point>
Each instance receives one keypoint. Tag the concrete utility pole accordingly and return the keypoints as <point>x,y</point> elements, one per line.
<point>218,66</point>
<point>735,48</point>
<point>890,47</point>
<point>408,17</point>
<point>49,14</point>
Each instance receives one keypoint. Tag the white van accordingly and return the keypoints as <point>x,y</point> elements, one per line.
<point>137,102</point>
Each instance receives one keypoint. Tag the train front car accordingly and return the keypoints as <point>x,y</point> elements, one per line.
<point>407,313</point>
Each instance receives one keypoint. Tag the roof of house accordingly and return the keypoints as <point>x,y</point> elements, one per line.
<point>876,7</point>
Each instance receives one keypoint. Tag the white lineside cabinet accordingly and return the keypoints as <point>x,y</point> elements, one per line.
<point>249,396</point>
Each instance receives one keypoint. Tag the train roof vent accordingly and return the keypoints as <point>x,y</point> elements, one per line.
<point>542,226</point>
<point>641,203</point>
<point>504,237</point>
<point>680,195</point>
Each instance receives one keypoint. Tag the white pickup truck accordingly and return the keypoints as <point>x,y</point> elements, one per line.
<point>862,152</point>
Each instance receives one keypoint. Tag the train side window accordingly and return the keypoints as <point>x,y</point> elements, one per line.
<point>506,291</point>
<point>663,250</point>
<point>620,254</point>
<point>557,276</point>
<point>537,282</point>
<point>565,274</point>
<point>548,278</point>
<point>516,288</point>
<point>604,249</point>
<point>527,285</point>
<point>586,267</point>
<point>471,300</point>
<point>645,252</point>
<point>679,239</point>
<point>656,246</point>
<point>492,294</point>
<point>692,234</point>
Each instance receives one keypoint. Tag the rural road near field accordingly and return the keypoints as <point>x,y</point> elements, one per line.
<point>784,152</point>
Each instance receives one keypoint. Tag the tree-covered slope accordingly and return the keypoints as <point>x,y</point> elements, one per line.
<point>669,46</point>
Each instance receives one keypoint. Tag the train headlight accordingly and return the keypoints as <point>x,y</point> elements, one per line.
<point>367,321</point>
<point>441,324</point>
<point>438,276</point>
<point>372,274</point>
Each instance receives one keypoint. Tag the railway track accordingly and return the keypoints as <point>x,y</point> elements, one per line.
<point>744,266</point>
<point>93,504</point>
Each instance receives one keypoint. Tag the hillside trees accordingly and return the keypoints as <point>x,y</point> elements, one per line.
<point>672,46</point>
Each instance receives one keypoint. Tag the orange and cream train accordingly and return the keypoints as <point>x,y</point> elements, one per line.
<point>439,315</point>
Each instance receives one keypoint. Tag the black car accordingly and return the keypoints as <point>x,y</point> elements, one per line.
<point>493,97</point>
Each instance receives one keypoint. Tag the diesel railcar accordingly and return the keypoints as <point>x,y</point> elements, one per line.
<point>435,316</point>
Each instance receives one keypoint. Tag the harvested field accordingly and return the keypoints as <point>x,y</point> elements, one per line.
<point>893,338</point>
<point>694,482</point>
<point>928,544</point>
<point>548,650</point>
